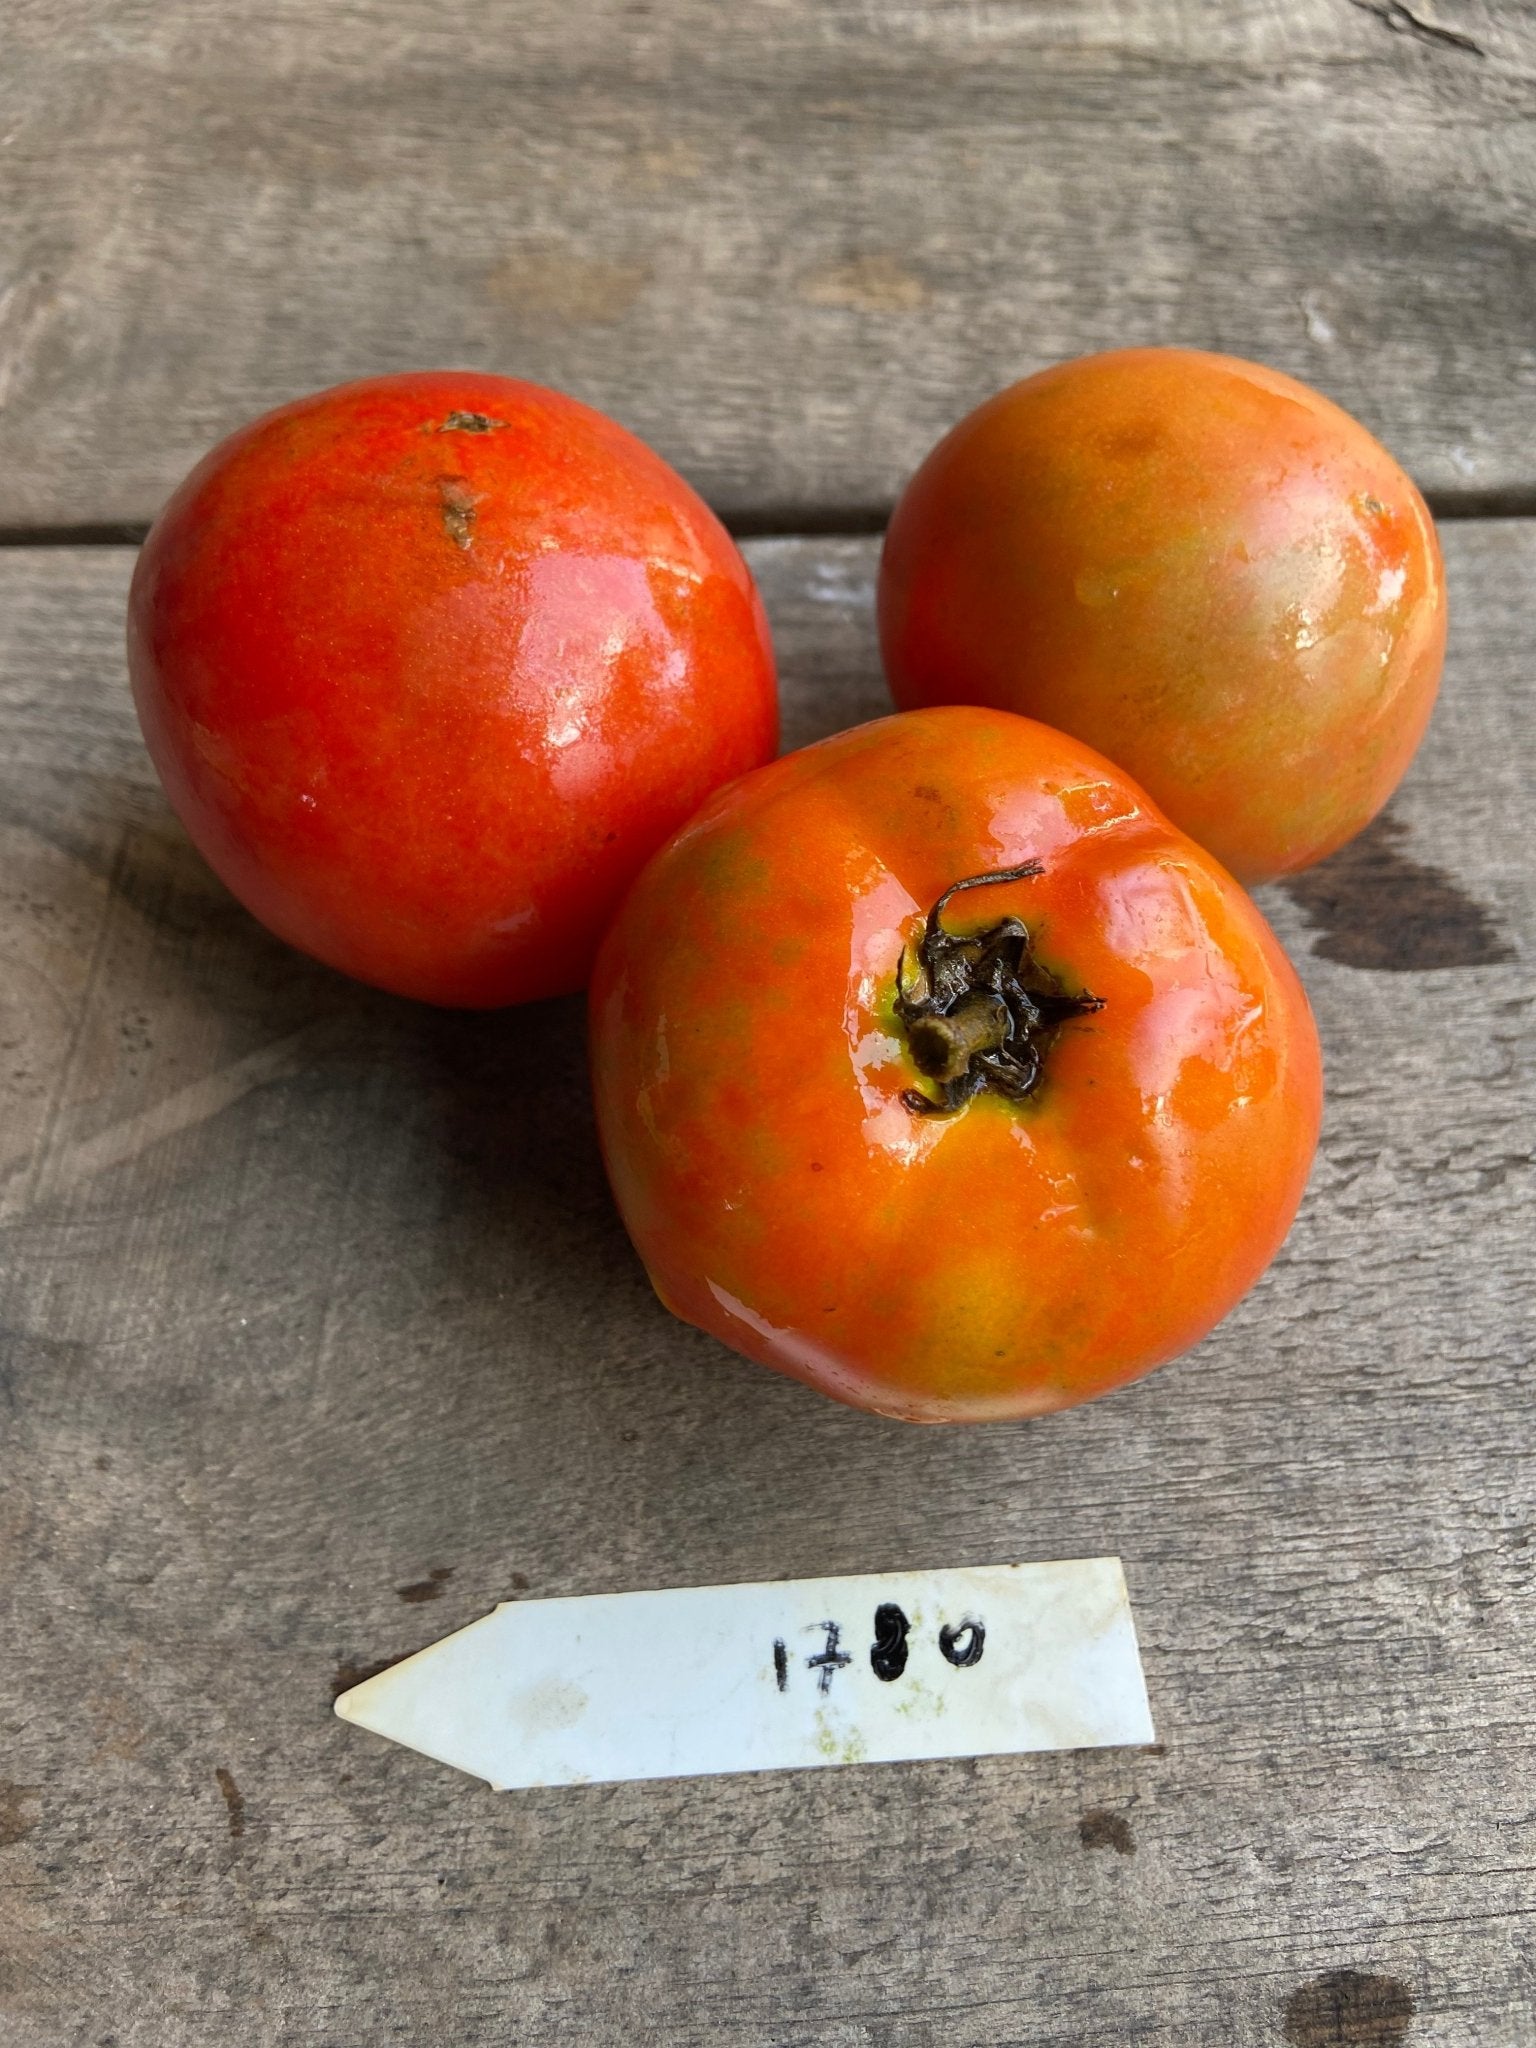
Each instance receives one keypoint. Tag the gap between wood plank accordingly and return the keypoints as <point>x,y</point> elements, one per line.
<point>781,522</point>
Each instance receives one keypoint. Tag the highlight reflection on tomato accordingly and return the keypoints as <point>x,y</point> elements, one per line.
<point>950,1156</point>
<point>430,665</point>
<point>1197,565</point>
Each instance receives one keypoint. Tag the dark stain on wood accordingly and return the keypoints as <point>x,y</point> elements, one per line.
<point>1377,908</point>
<point>15,1821</point>
<point>349,1674</point>
<point>1349,2009</point>
<point>1099,1828</point>
<point>429,1588</point>
<point>234,1799</point>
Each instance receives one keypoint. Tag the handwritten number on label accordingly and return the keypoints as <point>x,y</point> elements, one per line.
<point>962,1646</point>
<point>830,1659</point>
<point>888,1656</point>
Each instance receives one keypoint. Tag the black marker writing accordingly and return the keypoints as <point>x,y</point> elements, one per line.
<point>829,1660</point>
<point>960,1646</point>
<point>962,1653</point>
<point>888,1656</point>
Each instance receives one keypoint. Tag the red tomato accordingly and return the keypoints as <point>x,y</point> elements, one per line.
<point>934,1067</point>
<point>430,665</point>
<point>1195,564</point>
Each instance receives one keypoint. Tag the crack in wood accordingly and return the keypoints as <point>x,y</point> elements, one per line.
<point>1401,19</point>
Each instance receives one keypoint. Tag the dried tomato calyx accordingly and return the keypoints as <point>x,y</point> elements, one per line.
<point>985,1010</point>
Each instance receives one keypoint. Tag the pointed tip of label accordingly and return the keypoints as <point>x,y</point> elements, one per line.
<point>360,1703</point>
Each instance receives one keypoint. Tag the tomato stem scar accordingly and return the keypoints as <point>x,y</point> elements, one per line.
<point>986,1009</point>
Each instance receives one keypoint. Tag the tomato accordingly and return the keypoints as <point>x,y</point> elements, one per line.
<point>1197,565</point>
<point>430,665</point>
<point>935,1067</point>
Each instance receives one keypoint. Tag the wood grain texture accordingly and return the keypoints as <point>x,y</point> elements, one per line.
<point>789,243</point>
<point>320,1336</point>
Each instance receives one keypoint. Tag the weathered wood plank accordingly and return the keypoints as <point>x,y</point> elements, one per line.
<point>790,244</point>
<point>307,1296</point>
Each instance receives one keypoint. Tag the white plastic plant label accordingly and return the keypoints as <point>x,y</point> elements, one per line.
<point>783,1676</point>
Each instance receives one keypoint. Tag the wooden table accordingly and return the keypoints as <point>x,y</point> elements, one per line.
<point>320,1335</point>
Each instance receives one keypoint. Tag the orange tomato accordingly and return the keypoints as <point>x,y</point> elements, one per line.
<point>950,1155</point>
<point>1197,565</point>
<point>430,665</point>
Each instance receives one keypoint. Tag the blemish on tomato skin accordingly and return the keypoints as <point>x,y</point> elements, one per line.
<point>457,503</point>
<point>467,423</point>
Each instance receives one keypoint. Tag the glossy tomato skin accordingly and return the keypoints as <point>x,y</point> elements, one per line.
<point>1201,567</point>
<point>1010,1259</point>
<point>429,666</point>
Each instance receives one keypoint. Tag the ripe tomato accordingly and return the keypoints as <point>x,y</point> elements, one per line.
<point>430,665</point>
<point>950,1156</point>
<point>1195,564</point>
